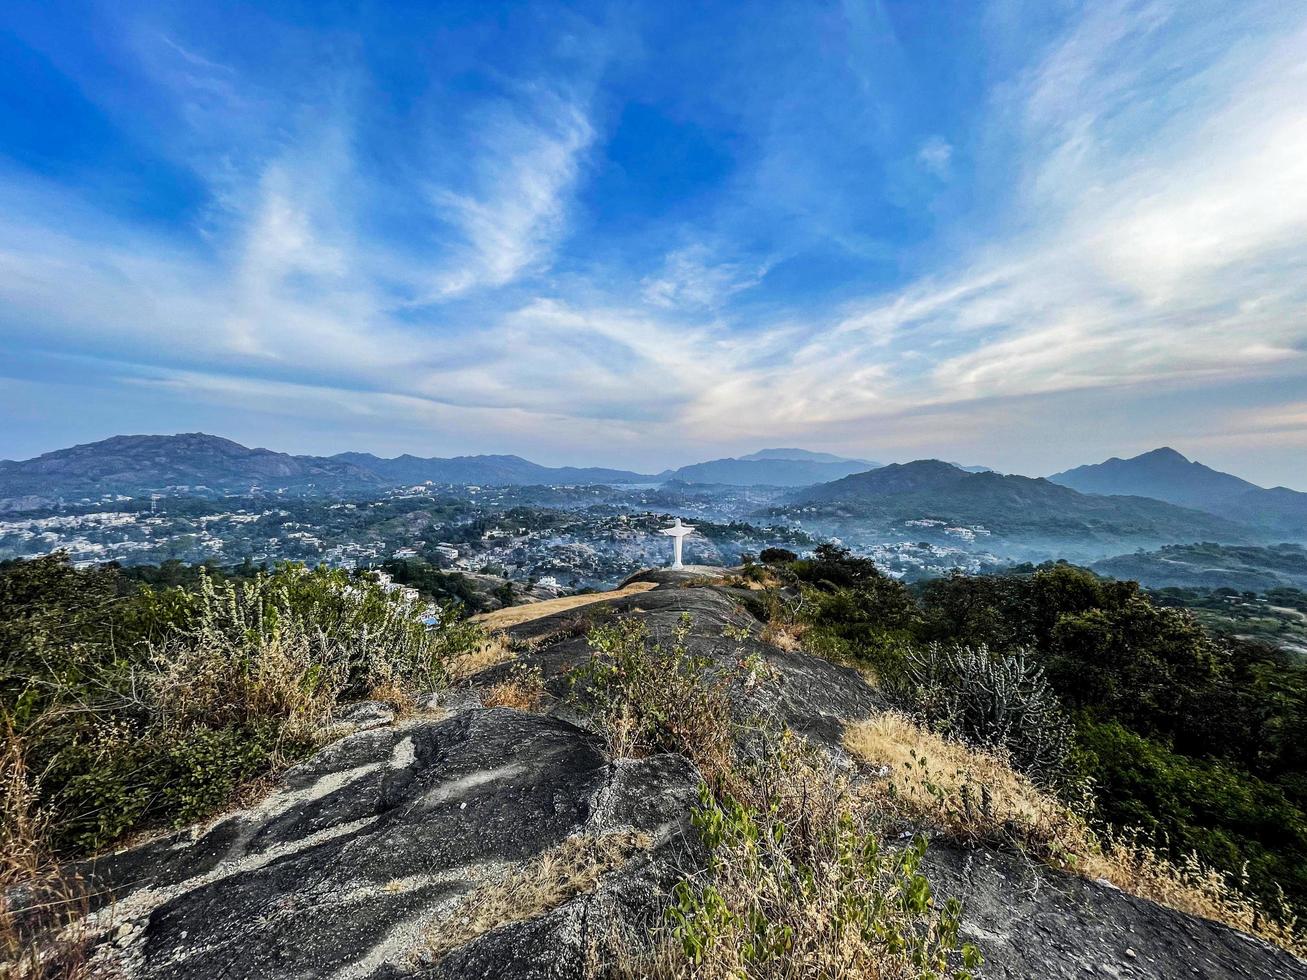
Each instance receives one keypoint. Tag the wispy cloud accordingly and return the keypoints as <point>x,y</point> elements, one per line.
<point>695,277</point>
<point>1152,232</point>
<point>524,162</point>
<point>935,155</point>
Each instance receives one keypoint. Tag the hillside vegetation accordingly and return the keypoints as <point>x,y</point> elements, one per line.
<point>1197,742</point>
<point>1213,566</point>
<point>127,708</point>
<point>1049,714</point>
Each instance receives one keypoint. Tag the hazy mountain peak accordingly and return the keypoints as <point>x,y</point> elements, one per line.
<point>772,467</point>
<point>1162,454</point>
<point>802,455</point>
<point>1163,474</point>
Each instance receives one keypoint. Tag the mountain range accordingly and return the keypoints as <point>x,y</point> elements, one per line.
<point>1015,507</point>
<point>1158,496</point>
<point>487,470</point>
<point>771,467</point>
<point>197,462</point>
<point>1165,474</point>
<point>133,465</point>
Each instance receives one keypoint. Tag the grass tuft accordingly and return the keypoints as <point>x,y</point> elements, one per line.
<point>535,887</point>
<point>971,794</point>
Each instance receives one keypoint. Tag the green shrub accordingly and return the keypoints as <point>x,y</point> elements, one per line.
<point>155,707</point>
<point>800,885</point>
<point>654,697</point>
<point>998,701</point>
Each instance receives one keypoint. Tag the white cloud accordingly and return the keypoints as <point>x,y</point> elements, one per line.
<point>524,166</point>
<point>1162,259</point>
<point>935,155</point>
<point>694,277</point>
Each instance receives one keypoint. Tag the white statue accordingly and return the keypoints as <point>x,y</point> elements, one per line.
<point>677,532</point>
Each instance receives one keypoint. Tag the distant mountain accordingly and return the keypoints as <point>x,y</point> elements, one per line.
<point>804,455</point>
<point>1212,566</point>
<point>486,470</point>
<point>771,467</point>
<point>1279,510</point>
<point>1012,506</point>
<point>1165,474</point>
<point>133,465</point>
<point>204,464</point>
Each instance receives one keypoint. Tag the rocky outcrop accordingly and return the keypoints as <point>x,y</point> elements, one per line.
<point>370,850</point>
<point>1034,922</point>
<point>370,845</point>
<point>810,695</point>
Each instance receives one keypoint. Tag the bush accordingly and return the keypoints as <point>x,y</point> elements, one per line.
<point>651,697</point>
<point>998,701</point>
<point>777,556</point>
<point>211,689</point>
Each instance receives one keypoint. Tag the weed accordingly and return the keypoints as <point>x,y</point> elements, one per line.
<point>523,689</point>
<point>799,885</point>
<point>534,887</point>
<point>653,697</point>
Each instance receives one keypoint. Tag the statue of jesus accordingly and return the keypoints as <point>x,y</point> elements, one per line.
<point>677,533</point>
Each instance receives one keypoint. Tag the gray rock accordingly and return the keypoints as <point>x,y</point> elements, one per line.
<point>1030,921</point>
<point>811,695</point>
<point>343,870</point>
<point>362,715</point>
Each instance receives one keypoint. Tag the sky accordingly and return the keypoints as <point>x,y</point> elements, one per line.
<point>1024,233</point>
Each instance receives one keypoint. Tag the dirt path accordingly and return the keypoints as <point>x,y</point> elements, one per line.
<point>503,618</point>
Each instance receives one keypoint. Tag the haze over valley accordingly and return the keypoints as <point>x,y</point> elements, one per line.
<point>196,497</point>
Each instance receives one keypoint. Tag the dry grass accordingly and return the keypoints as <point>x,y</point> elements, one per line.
<point>535,887</point>
<point>496,650</point>
<point>515,615</point>
<point>397,696</point>
<point>42,908</point>
<point>800,887</point>
<point>786,635</point>
<point>1196,889</point>
<point>976,795</point>
<point>966,792</point>
<point>523,690</point>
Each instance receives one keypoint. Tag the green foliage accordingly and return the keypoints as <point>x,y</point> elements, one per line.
<point>856,613</point>
<point>652,697</point>
<point>832,898</point>
<point>140,706</point>
<point>999,701</point>
<point>438,585</point>
<point>1247,827</point>
<point>56,631</point>
<point>1188,735</point>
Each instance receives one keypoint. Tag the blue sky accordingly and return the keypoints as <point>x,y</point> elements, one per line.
<point>1029,234</point>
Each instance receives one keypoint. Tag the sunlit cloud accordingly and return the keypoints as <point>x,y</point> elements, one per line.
<point>450,265</point>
